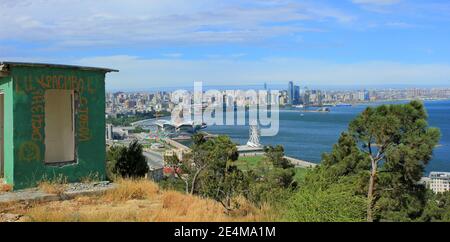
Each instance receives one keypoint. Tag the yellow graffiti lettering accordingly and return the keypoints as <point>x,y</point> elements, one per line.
<point>37,122</point>
<point>83,120</point>
<point>37,115</point>
<point>24,84</point>
<point>44,82</point>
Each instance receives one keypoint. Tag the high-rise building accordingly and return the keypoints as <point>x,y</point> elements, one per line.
<point>306,96</point>
<point>290,93</point>
<point>296,95</point>
<point>366,95</point>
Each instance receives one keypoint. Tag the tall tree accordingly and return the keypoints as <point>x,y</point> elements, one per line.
<point>209,171</point>
<point>192,165</point>
<point>399,144</point>
<point>221,180</point>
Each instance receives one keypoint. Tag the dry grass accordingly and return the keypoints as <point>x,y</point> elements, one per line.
<point>52,188</point>
<point>132,190</point>
<point>92,177</point>
<point>56,186</point>
<point>140,201</point>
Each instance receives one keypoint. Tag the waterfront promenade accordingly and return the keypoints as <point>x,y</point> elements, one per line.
<point>301,163</point>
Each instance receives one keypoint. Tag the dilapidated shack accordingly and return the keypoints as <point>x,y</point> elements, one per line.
<point>52,122</point>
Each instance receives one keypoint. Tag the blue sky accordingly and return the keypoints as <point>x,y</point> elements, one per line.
<point>171,43</point>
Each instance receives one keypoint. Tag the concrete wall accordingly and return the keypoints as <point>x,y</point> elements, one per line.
<point>29,87</point>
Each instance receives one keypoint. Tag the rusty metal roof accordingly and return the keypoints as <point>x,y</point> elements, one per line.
<point>40,65</point>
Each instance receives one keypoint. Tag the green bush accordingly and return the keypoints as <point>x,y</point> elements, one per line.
<point>127,162</point>
<point>335,204</point>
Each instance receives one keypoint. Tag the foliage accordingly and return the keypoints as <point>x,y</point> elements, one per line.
<point>272,181</point>
<point>399,144</point>
<point>194,163</point>
<point>126,120</point>
<point>275,155</point>
<point>300,174</point>
<point>221,180</point>
<point>127,162</point>
<point>437,208</point>
<point>371,174</point>
<point>381,158</point>
<point>337,203</point>
<point>247,163</point>
<point>172,183</point>
<point>112,155</point>
<point>137,130</point>
<point>208,170</point>
<point>182,171</point>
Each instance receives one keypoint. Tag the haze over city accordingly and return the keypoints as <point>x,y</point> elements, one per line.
<point>174,43</point>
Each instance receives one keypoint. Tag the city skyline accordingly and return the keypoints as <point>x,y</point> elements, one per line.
<point>174,43</point>
<point>278,86</point>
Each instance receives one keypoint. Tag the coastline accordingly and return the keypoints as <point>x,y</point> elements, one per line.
<point>147,120</point>
<point>327,129</point>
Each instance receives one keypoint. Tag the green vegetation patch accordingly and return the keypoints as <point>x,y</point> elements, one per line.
<point>246,163</point>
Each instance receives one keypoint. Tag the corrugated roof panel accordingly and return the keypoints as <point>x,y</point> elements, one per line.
<point>7,63</point>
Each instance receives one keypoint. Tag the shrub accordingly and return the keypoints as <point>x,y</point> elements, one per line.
<point>335,204</point>
<point>127,162</point>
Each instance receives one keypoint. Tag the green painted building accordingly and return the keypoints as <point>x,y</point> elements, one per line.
<point>52,123</point>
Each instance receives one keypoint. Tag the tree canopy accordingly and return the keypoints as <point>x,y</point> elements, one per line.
<point>381,158</point>
<point>127,162</point>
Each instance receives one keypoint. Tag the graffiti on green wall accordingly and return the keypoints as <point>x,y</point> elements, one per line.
<point>35,89</point>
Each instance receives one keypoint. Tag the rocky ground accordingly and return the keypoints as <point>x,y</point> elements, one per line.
<point>77,187</point>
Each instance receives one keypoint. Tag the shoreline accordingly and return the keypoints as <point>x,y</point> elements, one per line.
<point>147,120</point>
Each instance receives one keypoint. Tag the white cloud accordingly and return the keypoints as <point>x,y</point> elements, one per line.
<point>137,73</point>
<point>115,22</point>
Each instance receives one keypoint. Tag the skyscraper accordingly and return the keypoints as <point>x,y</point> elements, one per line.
<point>296,96</point>
<point>291,93</point>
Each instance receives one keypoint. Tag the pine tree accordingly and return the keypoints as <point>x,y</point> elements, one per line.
<point>399,144</point>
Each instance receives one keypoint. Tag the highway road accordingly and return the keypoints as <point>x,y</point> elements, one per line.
<point>154,159</point>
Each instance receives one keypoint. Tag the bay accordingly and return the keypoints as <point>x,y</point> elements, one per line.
<point>308,136</point>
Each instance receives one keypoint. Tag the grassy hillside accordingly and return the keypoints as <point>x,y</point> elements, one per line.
<point>246,163</point>
<point>136,201</point>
